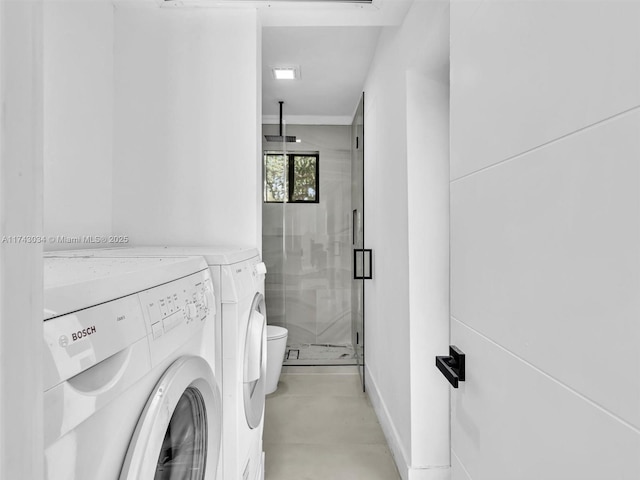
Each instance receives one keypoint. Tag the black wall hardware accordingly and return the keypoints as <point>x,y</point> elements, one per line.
<point>362,264</point>
<point>354,223</point>
<point>452,367</point>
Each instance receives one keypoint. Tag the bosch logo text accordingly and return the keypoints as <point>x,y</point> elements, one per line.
<point>85,332</point>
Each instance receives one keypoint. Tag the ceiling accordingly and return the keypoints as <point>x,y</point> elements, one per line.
<point>332,44</point>
<point>333,63</point>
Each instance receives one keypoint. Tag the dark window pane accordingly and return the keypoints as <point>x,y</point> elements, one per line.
<point>304,179</point>
<point>275,178</point>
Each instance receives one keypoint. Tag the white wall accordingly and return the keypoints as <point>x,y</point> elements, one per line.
<point>21,408</point>
<point>406,225</point>
<point>307,247</point>
<point>78,121</point>
<point>545,225</point>
<point>144,135</point>
<point>187,112</point>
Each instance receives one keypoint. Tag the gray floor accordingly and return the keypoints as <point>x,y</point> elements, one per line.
<point>320,426</point>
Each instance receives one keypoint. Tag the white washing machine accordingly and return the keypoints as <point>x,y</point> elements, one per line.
<point>240,331</point>
<point>128,393</point>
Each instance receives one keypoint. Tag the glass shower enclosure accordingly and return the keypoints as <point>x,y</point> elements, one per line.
<point>307,241</point>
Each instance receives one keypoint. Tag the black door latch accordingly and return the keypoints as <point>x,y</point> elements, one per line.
<point>452,367</point>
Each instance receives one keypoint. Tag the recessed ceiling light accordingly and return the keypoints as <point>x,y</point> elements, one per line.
<point>285,73</point>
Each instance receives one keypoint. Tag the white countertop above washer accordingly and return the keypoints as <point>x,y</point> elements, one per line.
<point>75,283</point>
<point>215,255</point>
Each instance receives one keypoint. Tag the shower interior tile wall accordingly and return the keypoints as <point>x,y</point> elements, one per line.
<point>307,247</point>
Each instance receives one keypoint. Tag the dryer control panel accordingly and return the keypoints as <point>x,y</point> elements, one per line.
<point>241,279</point>
<point>177,311</point>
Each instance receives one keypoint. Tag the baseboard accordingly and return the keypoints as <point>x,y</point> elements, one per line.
<point>407,472</point>
<point>430,473</point>
<point>388,428</point>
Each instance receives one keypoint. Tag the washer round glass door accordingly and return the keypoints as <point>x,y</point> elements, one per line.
<point>178,435</point>
<point>184,449</point>
<point>255,362</point>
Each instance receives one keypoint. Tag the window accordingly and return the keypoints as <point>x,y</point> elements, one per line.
<point>291,178</point>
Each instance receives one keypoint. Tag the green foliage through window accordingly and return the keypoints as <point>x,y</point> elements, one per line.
<point>291,177</point>
<point>275,178</point>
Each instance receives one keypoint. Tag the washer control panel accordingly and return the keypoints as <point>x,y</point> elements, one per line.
<point>176,311</point>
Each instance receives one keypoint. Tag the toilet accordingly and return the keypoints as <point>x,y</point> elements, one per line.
<point>276,346</point>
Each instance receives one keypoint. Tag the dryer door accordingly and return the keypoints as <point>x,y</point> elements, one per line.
<point>179,433</point>
<point>255,362</point>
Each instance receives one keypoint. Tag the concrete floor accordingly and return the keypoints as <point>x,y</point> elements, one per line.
<point>320,426</point>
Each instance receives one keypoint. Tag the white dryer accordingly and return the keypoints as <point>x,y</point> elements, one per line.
<point>240,346</point>
<point>239,278</point>
<point>128,393</point>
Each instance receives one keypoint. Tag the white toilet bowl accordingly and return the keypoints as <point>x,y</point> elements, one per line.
<point>276,346</point>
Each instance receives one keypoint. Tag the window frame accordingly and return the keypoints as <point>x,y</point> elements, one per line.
<point>290,163</point>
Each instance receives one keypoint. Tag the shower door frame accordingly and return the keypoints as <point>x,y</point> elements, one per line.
<point>358,239</point>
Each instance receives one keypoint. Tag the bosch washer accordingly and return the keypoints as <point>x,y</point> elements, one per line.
<point>128,392</point>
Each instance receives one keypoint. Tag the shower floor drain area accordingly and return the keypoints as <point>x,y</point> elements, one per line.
<point>319,354</point>
<point>293,354</point>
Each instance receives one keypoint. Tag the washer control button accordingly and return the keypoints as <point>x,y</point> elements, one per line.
<point>205,301</point>
<point>156,329</point>
<point>192,311</point>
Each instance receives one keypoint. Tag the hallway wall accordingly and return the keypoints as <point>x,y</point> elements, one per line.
<point>308,250</point>
<point>406,225</point>
<point>545,239</point>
